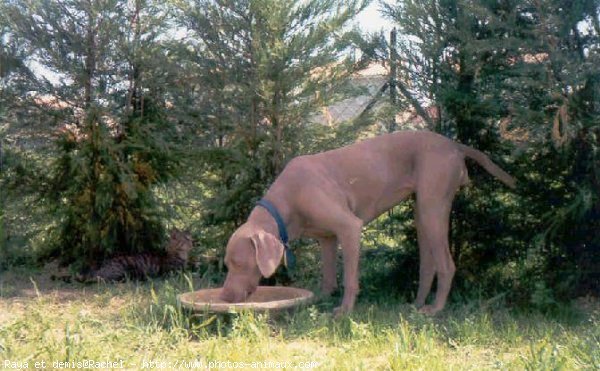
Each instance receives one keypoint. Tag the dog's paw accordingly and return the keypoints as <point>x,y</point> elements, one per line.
<point>428,310</point>
<point>340,312</point>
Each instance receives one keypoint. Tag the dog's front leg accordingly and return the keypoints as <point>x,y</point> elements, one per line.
<point>349,237</point>
<point>328,265</point>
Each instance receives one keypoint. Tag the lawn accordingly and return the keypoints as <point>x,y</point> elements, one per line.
<point>140,325</point>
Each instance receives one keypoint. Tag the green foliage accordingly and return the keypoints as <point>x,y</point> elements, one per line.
<point>107,96</point>
<point>2,235</point>
<point>521,77</point>
<point>101,186</point>
<point>264,68</point>
<point>25,220</point>
<point>565,219</point>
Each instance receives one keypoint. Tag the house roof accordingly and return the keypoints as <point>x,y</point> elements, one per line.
<point>369,81</point>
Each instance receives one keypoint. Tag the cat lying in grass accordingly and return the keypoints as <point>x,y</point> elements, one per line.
<point>142,265</point>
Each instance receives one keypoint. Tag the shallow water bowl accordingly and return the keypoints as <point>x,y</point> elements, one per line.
<point>264,298</point>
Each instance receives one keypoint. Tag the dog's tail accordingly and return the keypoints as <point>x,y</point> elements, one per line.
<point>485,162</point>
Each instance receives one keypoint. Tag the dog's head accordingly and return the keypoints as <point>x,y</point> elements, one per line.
<point>251,253</point>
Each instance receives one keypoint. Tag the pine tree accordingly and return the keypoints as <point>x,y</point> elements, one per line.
<point>521,71</point>
<point>111,111</point>
<point>260,69</point>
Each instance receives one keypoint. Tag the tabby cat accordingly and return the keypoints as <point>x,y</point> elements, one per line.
<point>143,265</point>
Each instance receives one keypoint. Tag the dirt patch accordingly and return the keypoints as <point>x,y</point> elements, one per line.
<point>27,284</point>
<point>20,288</point>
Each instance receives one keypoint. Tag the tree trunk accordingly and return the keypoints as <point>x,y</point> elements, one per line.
<point>90,60</point>
<point>393,78</point>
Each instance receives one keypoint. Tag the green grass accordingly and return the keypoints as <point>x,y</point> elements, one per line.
<point>137,322</point>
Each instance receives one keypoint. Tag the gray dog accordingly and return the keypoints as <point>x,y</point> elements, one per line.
<point>330,196</point>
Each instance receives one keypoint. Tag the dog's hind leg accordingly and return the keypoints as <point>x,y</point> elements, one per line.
<point>426,265</point>
<point>435,192</point>
<point>432,226</point>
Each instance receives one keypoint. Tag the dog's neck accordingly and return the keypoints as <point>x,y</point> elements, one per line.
<point>262,218</point>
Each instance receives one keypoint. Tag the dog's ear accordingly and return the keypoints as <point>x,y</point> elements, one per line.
<point>269,251</point>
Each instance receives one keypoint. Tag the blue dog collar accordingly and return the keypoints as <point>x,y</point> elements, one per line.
<point>289,260</point>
